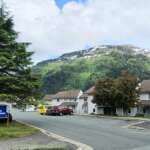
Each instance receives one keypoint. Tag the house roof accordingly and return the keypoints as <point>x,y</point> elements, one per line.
<point>90,91</point>
<point>145,86</point>
<point>71,94</point>
<point>48,97</point>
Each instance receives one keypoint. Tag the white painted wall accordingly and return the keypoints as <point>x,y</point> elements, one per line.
<point>119,112</point>
<point>91,105</point>
<point>79,94</point>
<point>133,112</point>
<point>79,109</point>
<point>145,96</point>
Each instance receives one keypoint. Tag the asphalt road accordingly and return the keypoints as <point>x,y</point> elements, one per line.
<point>100,133</point>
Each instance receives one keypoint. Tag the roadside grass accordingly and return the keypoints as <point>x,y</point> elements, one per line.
<point>15,130</point>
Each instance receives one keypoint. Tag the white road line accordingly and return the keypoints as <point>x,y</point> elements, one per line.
<point>132,125</point>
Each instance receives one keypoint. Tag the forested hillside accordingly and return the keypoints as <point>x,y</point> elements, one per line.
<point>80,69</point>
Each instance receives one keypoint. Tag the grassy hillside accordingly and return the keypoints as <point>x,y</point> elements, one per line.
<point>82,72</point>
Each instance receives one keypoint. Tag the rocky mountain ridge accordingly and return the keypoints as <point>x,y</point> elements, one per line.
<point>98,50</point>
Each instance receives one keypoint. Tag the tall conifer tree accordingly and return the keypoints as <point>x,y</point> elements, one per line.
<point>16,78</point>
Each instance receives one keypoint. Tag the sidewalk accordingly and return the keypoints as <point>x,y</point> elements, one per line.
<point>38,140</point>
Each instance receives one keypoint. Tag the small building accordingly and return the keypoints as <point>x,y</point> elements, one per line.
<point>64,98</point>
<point>85,103</point>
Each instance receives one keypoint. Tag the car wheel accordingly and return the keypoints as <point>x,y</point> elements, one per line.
<point>61,114</point>
<point>71,113</point>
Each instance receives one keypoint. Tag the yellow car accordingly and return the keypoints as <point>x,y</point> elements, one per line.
<point>42,109</point>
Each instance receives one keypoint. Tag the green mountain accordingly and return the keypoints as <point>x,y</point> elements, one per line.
<point>80,69</point>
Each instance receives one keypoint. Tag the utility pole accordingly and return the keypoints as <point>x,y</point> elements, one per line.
<point>1,8</point>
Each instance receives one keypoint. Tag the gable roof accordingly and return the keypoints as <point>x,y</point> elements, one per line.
<point>145,86</point>
<point>71,94</point>
<point>90,91</point>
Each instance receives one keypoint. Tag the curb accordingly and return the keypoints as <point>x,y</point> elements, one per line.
<point>80,146</point>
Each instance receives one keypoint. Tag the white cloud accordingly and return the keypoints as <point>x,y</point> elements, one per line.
<point>53,32</point>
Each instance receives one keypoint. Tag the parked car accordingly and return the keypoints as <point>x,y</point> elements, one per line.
<point>5,112</point>
<point>42,109</point>
<point>59,111</point>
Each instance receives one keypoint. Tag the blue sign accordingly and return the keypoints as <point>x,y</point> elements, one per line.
<point>3,111</point>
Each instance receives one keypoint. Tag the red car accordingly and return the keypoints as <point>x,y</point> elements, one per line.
<point>59,111</point>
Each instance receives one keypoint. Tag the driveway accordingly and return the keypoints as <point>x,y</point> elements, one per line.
<point>100,133</point>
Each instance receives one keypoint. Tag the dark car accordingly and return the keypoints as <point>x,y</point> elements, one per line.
<point>59,111</point>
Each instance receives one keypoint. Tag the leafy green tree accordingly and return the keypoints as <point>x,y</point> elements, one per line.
<point>16,78</point>
<point>122,92</point>
<point>127,91</point>
<point>104,94</point>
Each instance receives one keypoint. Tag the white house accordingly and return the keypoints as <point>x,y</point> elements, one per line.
<point>64,98</point>
<point>85,104</point>
<point>80,102</point>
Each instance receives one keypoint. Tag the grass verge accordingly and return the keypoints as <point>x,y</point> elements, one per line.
<point>15,130</point>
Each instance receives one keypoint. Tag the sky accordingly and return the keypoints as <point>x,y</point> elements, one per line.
<point>55,27</point>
